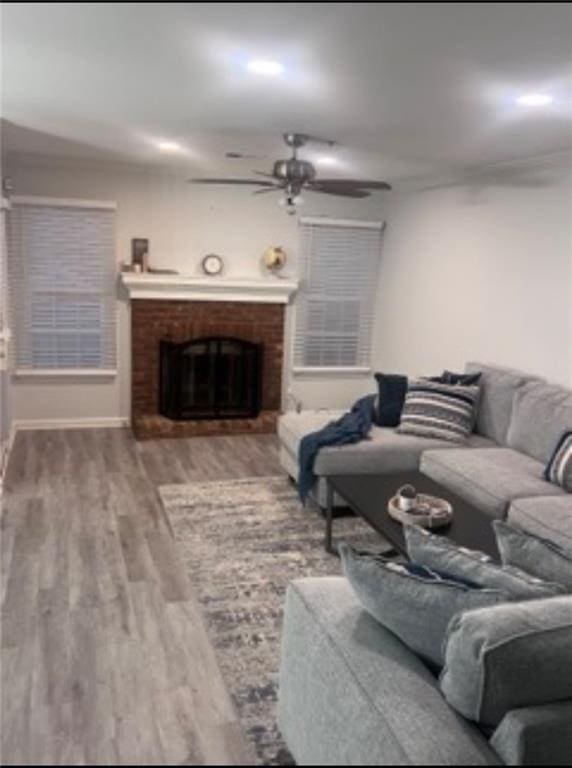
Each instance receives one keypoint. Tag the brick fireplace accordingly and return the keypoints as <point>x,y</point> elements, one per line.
<point>181,316</point>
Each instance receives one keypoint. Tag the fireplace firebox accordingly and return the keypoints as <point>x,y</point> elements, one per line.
<point>210,378</point>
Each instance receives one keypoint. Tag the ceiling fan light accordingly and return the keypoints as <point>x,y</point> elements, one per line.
<point>534,100</point>
<point>169,147</point>
<point>327,161</point>
<point>266,67</point>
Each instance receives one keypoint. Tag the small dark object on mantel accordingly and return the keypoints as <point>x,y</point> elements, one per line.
<point>140,254</point>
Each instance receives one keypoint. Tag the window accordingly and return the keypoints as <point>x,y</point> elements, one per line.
<point>61,271</point>
<point>335,305</point>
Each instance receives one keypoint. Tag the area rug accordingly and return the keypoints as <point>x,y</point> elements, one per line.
<point>242,542</point>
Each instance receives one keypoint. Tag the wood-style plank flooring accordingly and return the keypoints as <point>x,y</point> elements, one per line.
<point>105,658</point>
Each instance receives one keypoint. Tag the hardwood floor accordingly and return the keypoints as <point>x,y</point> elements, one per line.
<point>105,658</point>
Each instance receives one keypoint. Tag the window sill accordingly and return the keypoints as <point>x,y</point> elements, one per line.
<point>339,371</point>
<point>65,373</point>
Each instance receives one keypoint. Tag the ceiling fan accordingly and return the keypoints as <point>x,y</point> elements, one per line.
<point>293,176</point>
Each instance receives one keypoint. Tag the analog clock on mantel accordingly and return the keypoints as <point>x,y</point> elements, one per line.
<point>212,264</point>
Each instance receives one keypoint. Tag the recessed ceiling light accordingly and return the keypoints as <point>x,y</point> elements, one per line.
<point>169,146</point>
<point>534,100</point>
<point>265,67</point>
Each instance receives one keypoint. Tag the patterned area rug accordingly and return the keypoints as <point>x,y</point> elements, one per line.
<point>242,541</point>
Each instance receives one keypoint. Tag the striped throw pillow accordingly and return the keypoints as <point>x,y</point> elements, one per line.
<point>559,468</point>
<point>442,411</point>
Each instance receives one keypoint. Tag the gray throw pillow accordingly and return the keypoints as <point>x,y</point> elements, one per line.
<point>508,656</point>
<point>537,556</point>
<point>414,603</point>
<point>441,411</point>
<point>424,548</point>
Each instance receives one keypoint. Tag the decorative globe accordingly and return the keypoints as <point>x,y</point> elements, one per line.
<point>274,258</point>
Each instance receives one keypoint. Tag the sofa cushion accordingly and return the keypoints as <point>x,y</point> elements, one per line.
<point>415,604</point>
<point>498,386</point>
<point>538,735</point>
<point>489,478</point>
<point>440,553</point>
<point>548,517</point>
<point>387,450</point>
<point>509,656</point>
<point>377,454</point>
<point>384,451</point>
<point>541,557</point>
<point>351,693</point>
<point>541,414</point>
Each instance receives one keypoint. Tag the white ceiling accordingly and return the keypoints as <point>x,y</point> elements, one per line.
<point>407,89</point>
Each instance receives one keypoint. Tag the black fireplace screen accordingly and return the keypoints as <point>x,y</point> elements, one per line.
<point>214,378</point>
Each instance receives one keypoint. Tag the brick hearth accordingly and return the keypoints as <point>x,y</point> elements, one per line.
<point>154,320</point>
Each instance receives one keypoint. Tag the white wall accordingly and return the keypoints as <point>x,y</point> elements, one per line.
<point>474,271</point>
<point>183,223</point>
<point>479,272</point>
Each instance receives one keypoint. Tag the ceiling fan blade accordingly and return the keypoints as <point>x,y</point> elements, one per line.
<point>354,183</point>
<point>338,191</point>
<point>297,140</point>
<point>263,190</point>
<point>243,156</point>
<point>244,182</point>
<point>320,140</point>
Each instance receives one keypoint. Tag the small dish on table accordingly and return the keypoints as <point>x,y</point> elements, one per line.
<point>428,512</point>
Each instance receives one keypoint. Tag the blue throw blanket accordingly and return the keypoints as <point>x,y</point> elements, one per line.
<point>350,428</point>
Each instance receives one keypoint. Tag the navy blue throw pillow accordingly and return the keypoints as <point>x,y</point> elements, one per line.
<point>391,389</point>
<point>462,379</point>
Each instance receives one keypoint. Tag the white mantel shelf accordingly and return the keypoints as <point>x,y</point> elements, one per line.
<point>270,290</point>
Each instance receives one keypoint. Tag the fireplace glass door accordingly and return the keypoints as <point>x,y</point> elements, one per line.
<point>213,378</point>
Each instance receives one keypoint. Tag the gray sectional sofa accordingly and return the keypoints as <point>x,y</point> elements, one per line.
<point>520,419</point>
<point>350,691</point>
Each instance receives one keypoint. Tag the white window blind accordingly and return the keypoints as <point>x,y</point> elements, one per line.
<point>335,306</point>
<point>61,272</point>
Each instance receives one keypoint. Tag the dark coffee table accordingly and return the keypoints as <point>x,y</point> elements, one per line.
<point>367,496</point>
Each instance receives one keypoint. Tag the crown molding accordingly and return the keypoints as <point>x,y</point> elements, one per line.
<point>459,175</point>
<point>485,173</point>
<point>14,160</point>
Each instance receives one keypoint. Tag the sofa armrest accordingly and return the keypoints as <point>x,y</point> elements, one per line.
<point>540,735</point>
<point>352,694</point>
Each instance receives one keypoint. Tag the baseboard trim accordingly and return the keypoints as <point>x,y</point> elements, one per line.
<point>104,422</point>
